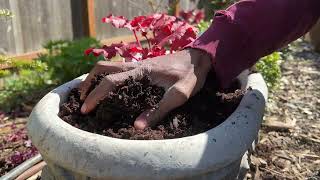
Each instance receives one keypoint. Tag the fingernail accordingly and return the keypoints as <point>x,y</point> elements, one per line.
<point>84,108</point>
<point>140,125</point>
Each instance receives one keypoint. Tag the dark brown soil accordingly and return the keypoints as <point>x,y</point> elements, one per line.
<point>115,115</point>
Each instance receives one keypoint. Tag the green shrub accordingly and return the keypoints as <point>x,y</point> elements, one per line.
<point>21,81</point>
<point>4,61</point>
<point>66,59</point>
<point>63,61</point>
<point>269,67</point>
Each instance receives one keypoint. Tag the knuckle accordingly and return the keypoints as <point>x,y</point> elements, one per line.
<point>145,69</point>
<point>140,71</point>
<point>100,63</point>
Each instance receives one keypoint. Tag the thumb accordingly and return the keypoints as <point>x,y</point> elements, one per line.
<point>176,96</point>
<point>107,85</point>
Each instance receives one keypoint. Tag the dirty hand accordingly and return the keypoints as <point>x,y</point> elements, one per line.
<point>182,74</point>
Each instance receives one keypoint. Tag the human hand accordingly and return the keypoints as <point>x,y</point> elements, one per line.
<point>182,74</point>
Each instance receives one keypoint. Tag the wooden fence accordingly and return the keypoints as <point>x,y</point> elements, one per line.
<point>35,22</point>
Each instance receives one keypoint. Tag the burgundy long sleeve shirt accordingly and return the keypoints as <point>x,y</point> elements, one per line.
<point>250,29</point>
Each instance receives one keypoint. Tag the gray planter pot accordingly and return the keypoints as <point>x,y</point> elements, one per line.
<point>219,153</point>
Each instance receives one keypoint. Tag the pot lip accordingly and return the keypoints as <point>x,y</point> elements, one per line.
<point>45,129</point>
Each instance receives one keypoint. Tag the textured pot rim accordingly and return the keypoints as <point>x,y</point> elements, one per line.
<point>65,145</point>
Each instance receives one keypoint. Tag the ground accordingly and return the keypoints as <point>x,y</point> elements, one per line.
<point>289,146</point>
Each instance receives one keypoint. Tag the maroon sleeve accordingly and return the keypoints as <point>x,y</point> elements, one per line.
<point>251,29</point>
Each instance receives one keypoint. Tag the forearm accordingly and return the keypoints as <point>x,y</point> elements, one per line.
<point>251,29</point>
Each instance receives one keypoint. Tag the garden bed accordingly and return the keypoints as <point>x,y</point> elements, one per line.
<point>292,151</point>
<point>15,146</point>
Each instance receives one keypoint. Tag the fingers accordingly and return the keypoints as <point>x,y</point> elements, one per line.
<point>100,67</point>
<point>107,85</point>
<point>176,96</point>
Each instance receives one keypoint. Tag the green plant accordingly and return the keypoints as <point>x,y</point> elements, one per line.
<point>63,61</point>
<point>210,6</point>
<point>4,62</point>
<point>66,59</point>
<point>203,26</point>
<point>23,78</point>
<point>5,13</point>
<point>269,67</point>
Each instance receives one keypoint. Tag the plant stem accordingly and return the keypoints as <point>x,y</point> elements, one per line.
<point>135,35</point>
<point>154,34</point>
<point>148,42</point>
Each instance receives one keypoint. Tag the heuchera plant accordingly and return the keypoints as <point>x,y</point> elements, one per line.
<point>194,16</point>
<point>163,33</point>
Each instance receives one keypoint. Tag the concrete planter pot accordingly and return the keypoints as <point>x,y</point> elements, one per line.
<point>219,153</point>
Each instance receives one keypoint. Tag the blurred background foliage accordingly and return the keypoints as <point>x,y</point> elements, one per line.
<point>63,61</point>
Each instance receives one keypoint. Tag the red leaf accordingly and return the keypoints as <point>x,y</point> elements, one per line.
<point>166,30</point>
<point>162,33</point>
<point>16,136</point>
<point>19,157</point>
<point>186,15</point>
<point>188,37</point>
<point>107,52</point>
<point>144,33</point>
<point>192,16</point>
<point>16,158</point>
<point>88,51</point>
<point>147,23</point>
<point>135,49</point>
<point>27,143</point>
<point>136,22</point>
<point>130,51</point>
<point>199,16</point>
<point>164,20</point>
<point>157,51</point>
<point>179,29</point>
<point>116,21</point>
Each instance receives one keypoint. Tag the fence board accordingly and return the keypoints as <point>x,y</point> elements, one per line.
<point>188,5</point>
<point>6,31</point>
<point>35,22</point>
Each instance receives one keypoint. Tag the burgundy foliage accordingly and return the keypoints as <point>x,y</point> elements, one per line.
<point>192,16</point>
<point>162,32</point>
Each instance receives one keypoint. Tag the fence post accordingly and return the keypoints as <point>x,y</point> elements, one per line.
<point>89,18</point>
<point>174,4</point>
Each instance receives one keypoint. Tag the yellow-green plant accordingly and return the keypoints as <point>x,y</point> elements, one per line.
<point>5,13</point>
<point>269,67</point>
<point>203,26</point>
<point>21,80</point>
<point>4,62</point>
